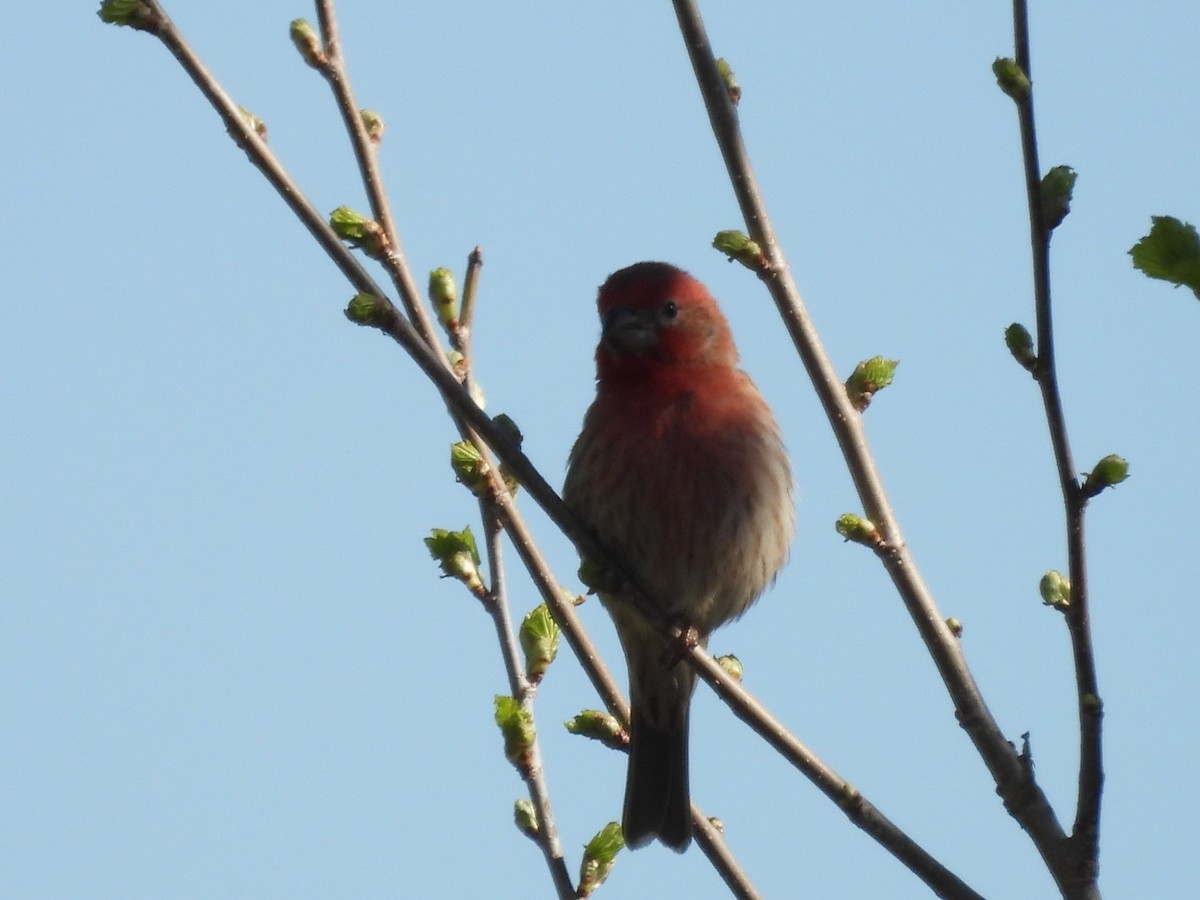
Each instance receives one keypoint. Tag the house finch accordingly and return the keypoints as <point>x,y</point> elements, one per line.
<point>680,471</point>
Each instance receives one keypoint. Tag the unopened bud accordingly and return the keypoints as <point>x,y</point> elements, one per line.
<point>1011,78</point>
<point>444,296</point>
<point>373,123</point>
<point>1055,590</point>
<point>732,665</point>
<point>859,530</point>
<point>1020,345</point>
<point>1057,187</point>
<point>599,726</point>
<point>526,818</point>
<point>869,377</point>
<point>305,37</point>
<point>1108,472</point>
<point>516,727</point>
<point>737,245</point>
<point>732,88</point>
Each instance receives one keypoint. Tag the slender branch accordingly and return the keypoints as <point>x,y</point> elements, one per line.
<point>534,774</point>
<point>364,152</point>
<point>460,334</point>
<point>712,843</point>
<point>1085,838</point>
<point>857,808</point>
<point>466,312</point>
<point>1022,796</point>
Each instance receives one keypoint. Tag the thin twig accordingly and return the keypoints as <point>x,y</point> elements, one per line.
<point>712,843</point>
<point>525,693</point>
<point>1080,879</point>
<point>365,153</point>
<point>857,808</point>
<point>1022,796</point>
<point>460,334</point>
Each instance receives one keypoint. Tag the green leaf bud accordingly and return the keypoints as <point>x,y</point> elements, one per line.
<point>373,123</point>
<point>1057,187</point>
<point>737,246</point>
<point>859,530</point>
<point>444,296</point>
<point>599,856</point>
<point>732,665</point>
<point>732,88</point>
<point>539,640</point>
<point>134,14</point>
<point>869,376</point>
<point>516,726</point>
<point>305,37</point>
<point>526,818</point>
<point>458,557</point>
<point>1011,78</point>
<point>1020,345</point>
<point>599,726</point>
<point>1055,590</point>
<point>1108,472</point>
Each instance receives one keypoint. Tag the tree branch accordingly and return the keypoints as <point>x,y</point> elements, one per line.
<point>1022,796</point>
<point>1080,880</point>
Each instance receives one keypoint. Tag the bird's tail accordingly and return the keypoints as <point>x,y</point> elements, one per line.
<point>657,800</point>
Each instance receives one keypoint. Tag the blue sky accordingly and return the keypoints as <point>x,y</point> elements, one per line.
<point>227,666</point>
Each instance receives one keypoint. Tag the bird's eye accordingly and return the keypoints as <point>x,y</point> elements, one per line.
<point>670,310</point>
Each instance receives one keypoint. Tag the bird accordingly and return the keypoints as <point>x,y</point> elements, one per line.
<point>680,472</point>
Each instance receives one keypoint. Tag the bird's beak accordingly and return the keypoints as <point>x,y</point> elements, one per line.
<point>630,331</point>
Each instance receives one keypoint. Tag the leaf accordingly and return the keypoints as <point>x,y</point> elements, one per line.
<point>1170,252</point>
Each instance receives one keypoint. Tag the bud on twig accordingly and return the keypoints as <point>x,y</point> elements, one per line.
<point>599,726</point>
<point>130,13</point>
<point>1020,345</point>
<point>736,245</point>
<point>373,123</point>
<point>516,726</point>
<point>1109,472</point>
<point>526,818</point>
<point>599,857</point>
<point>257,125</point>
<point>365,309</point>
<point>367,234</point>
<point>1055,590</point>
<point>869,376</point>
<point>732,665</point>
<point>732,88</point>
<point>305,37</point>
<point>444,296</point>
<point>458,557</point>
<point>955,627</point>
<point>1057,187</point>
<point>859,530</point>
<point>469,467</point>
<point>539,640</point>
<point>1011,78</point>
